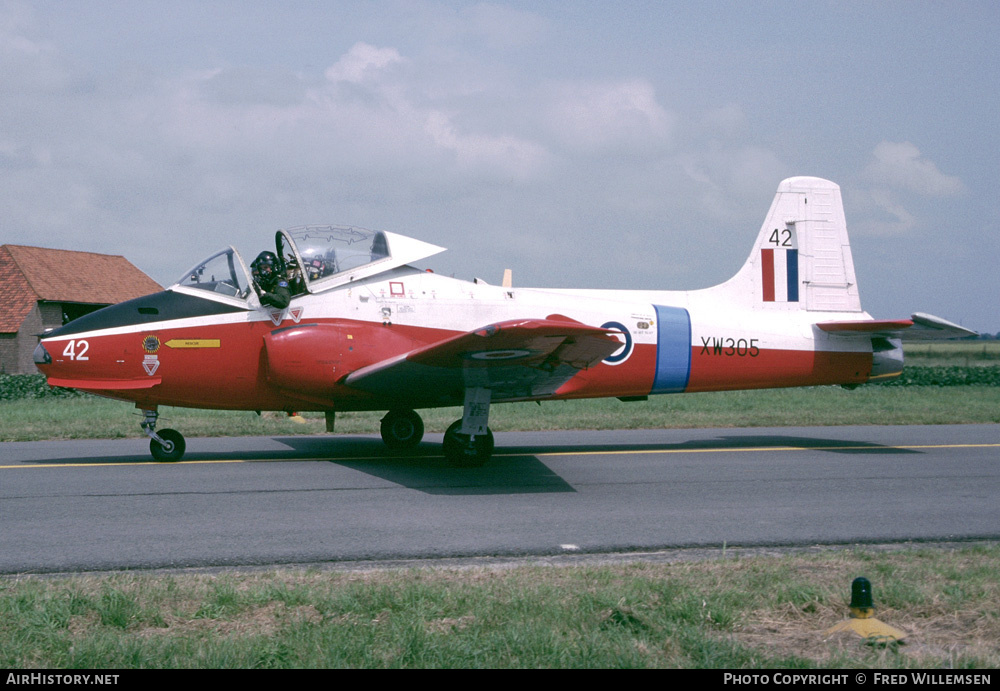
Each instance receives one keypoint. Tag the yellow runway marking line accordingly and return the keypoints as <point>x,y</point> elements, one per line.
<point>751,449</point>
<point>730,449</point>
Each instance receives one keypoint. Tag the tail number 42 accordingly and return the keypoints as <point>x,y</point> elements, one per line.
<point>76,350</point>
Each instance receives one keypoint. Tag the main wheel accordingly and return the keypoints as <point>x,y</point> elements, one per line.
<point>462,452</point>
<point>172,448</point>
<point>402,429</point>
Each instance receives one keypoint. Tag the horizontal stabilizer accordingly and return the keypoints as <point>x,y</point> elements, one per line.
<point>919,327</point>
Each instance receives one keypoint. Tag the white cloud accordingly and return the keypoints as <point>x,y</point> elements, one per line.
<point>30,64</point>
<point>899,165</point>
<point>596,117</point>
<point>362,62</point>
<point>882,214</point>
<point>897,180</point>
<point>512,155</point>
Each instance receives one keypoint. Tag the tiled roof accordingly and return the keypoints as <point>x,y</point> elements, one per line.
<point>30,274</point>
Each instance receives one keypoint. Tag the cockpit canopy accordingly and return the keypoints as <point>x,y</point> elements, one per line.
<point>320,255</point>
<point>313,258</point>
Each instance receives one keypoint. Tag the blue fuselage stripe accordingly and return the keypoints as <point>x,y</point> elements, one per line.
<point>673,349</point>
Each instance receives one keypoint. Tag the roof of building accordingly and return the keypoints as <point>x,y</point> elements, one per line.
<point>30,274</point>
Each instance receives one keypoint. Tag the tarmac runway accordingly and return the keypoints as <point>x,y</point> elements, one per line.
<point>105,505</point>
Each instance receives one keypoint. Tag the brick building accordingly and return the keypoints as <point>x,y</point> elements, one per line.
<point>43,288</point>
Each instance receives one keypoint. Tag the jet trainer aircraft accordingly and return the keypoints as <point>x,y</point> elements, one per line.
<point>365,330</point>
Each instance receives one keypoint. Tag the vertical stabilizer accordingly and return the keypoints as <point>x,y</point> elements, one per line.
<point>802,257</point>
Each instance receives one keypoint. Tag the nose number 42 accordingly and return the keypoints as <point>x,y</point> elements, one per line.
<point>76,350</point>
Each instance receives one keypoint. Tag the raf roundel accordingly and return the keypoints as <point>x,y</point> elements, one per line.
<point>623,353</point>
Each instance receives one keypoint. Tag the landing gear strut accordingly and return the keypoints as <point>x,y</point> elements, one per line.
<point>167,445</point>
<point>402,429</point>
<point>468,443</point>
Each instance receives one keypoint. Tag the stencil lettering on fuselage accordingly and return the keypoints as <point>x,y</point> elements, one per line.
<point>673,349</point>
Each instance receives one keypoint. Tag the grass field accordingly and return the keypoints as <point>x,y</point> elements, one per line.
<point>728,612</point>
<point>97,418</point>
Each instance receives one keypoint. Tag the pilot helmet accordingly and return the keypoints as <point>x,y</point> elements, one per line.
<point>265,267</point>
<point>314,264</point>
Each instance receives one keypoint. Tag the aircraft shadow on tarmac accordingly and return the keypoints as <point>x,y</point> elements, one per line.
<point>425,469</point>
<point>512,470</point>
<point>518,469</point>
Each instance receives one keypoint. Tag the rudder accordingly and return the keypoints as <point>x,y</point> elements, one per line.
<point>802,257</point>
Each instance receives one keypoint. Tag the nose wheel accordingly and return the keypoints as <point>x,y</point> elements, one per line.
<point>166,445</point>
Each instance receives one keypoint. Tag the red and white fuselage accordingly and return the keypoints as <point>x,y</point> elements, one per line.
<point>365,330</point>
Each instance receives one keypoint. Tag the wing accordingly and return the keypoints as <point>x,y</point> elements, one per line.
<point>518,359</point>
<point>919,327</point>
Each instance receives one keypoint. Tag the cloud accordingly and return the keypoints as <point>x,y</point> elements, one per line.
<point>596,117</point>
<point>883,215</point>
<point>514,156</point>
<point>362,62</point>
<point>30,64</point>
<point>370,114</point>
<point>900,166</point>
<point>432,140</point>
<point>897,180</point>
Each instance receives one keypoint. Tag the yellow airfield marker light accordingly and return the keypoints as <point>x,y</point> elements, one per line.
<point>863,621</point>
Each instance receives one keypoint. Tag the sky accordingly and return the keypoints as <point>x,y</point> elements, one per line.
<point>581,144</point>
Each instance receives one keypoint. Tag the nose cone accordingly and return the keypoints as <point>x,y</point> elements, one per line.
<point>41,356</point>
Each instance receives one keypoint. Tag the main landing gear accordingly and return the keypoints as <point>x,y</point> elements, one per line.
<point>468,443</point>
<point>402,429</point>
<point>467,450</point>
<point>165,445</point>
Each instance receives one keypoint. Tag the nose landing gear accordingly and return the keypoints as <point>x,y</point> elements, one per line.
<point>167,445</point>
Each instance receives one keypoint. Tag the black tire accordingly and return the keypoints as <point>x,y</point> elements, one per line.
<point>460,453</point>
<point>402,429</point>
<point>174,448</point>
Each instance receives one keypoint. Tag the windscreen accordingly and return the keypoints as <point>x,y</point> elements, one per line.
<point>222,273</point>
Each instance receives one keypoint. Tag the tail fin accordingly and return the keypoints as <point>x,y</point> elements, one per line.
<point>802,257</point>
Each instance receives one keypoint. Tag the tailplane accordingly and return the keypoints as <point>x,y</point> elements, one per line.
<point>802,257</point>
